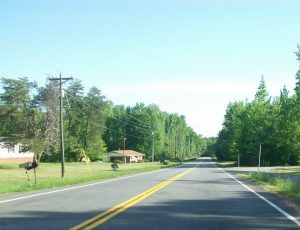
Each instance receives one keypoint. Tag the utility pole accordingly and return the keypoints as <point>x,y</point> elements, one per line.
<point>259,156</point>
<point>152,146</point>
<point>124,140</point>
<point>61,120</point>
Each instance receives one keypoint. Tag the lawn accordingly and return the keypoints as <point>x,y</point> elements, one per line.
<point>290,170</point>
<point>226,164</point>
<point>14,179</point>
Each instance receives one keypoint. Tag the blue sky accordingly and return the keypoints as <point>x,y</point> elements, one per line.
<point>189,57</point>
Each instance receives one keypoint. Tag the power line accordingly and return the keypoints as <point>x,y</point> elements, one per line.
<point>101,126</point>
<point>133,124</point>
<point>145,123</point>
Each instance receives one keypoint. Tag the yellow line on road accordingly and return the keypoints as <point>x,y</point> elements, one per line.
<point>110,213</point>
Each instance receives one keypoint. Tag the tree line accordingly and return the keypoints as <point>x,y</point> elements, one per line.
<point>93,125</point>
<point>270,122</point>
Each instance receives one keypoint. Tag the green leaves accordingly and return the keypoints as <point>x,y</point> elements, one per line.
<point>92,124</point>
<point>274,124</point>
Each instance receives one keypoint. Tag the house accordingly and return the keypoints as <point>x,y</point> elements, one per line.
<point>14,154</point>
<point>126,156</point>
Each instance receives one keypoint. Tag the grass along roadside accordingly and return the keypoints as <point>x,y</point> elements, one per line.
<point>295,170</point>
<point>226,164</point>
<point>14,179</point>
<point>276,184</point>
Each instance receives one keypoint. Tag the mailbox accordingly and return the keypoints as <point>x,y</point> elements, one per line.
<point>29,165</point>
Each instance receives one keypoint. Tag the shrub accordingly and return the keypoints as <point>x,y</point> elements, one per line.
<point>118,161</point>
<point>114,166</point>
<point>164,162</point>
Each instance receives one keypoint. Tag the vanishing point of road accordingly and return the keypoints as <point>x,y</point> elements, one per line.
<point>194,196</point>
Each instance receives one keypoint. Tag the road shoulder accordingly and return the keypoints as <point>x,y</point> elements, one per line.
<point>287,203</point>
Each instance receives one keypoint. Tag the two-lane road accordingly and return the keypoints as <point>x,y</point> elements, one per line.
<point>195,196</point>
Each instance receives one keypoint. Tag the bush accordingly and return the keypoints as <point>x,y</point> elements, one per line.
<point>164,162</point>
<point>118,161</point>
<point>114,166</point>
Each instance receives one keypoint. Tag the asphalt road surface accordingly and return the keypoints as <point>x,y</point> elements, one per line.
<point>194,196</point>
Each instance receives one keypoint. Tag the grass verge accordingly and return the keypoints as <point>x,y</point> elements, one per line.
<point>276,184</point>
<point>226,164</point>
<point>14,179</point>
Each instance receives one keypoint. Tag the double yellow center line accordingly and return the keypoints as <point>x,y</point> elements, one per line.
<point>110,213</point>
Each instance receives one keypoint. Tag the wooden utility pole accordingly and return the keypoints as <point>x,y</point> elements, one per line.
<point>61,120</point>
<point>124,141</point>
<point>259,156</point>
<point>152,146</point>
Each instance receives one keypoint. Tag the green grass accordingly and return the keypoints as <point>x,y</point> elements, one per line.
<point>14,179</point>
<point>291,170</point>
<point>226,164</point>
<point>277,184</point>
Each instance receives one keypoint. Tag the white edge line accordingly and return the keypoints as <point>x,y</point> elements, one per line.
<point>287,215</point>
<point>82,186</point>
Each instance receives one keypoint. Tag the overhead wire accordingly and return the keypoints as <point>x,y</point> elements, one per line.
<point>145,123</point>
<point>130,123</point>
<point>101,126</point>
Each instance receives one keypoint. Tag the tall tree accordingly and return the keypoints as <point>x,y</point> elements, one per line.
<point>21,119</point>
<point>229,135</point>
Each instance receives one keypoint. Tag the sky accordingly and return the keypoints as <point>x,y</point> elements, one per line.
<point>189,57</point>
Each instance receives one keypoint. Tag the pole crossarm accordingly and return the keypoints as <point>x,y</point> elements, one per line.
<point>63,78</point>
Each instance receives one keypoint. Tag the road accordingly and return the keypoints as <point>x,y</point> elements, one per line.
<point>195,196</point>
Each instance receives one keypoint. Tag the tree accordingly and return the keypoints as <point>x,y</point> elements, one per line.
<point>275,125</point>
<point>96,109</point>
<point>255,127</point>
<point>227,142</point>
<point>22,120</point>
<point>47,100</point>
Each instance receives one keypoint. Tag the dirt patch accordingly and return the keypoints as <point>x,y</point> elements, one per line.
<point>15,160</point>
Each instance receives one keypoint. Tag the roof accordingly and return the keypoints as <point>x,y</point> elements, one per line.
<point>127,152</point>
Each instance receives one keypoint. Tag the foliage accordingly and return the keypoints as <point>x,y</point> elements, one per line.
<point>164,162</point>
<point>118,162</point>
<point>114,166</point>
<point>21,118</point>
<point>92,124</point>
<point>272,123</point>
<point>173,139</point>
<point>210,145</point>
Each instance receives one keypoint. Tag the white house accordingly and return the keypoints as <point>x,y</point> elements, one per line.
<point>13,154</point>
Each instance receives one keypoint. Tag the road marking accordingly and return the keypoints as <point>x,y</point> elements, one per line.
<point>287,215</point>
<point>110,213</point>
<point>78,187</point>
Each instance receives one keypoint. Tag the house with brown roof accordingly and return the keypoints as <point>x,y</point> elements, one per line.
<point>126,156</point>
